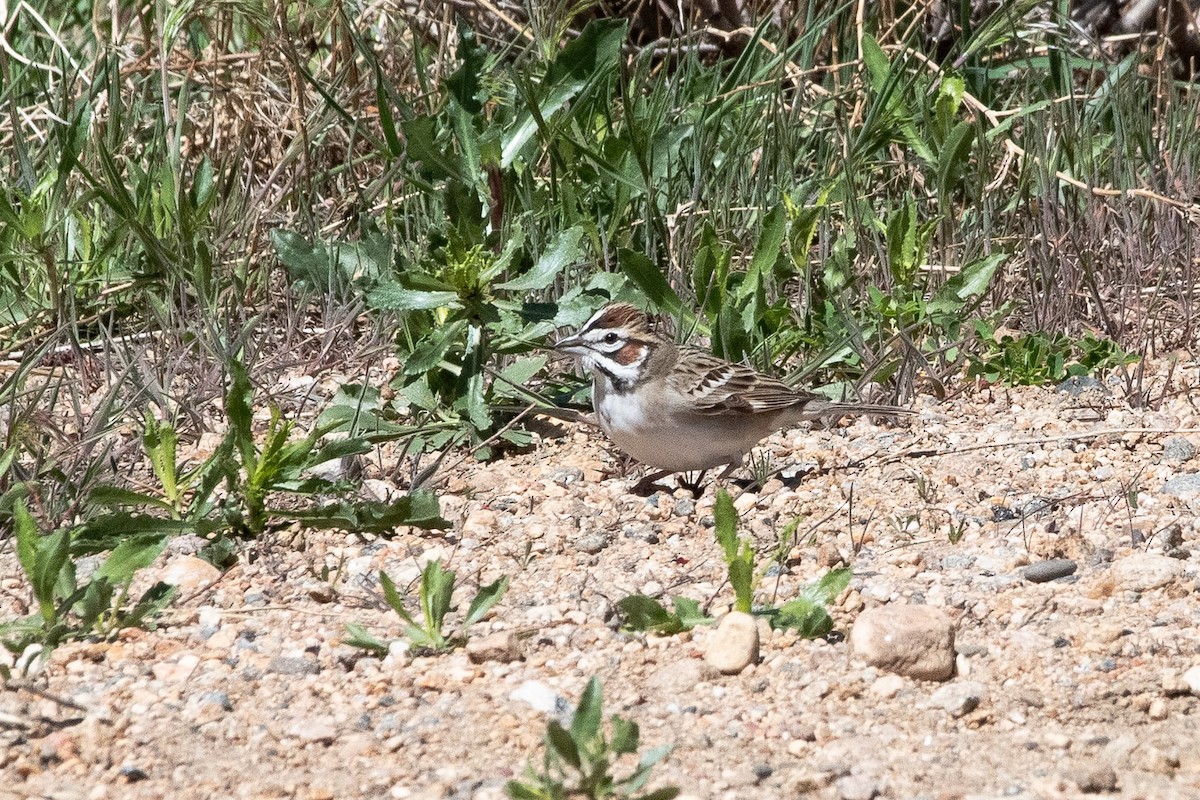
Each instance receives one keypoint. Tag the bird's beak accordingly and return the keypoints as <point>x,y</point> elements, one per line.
<point>570,344</point>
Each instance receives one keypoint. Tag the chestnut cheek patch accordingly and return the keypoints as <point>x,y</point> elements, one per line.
<point>629,354</point>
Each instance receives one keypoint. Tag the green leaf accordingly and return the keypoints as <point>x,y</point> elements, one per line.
<point>665,793</point>
<point>421,145</point>
<point>741,577</point>
<point>689,613</point>
<point>560,254</point>
<point>520,791</point>
<point>585,723</point>
<point>725,516</point>
<point>387,120</point>
<point>592,56</point>
<point>136,552</point>
<point>953,157</point>
<point>809,619</point>
<point>27,537</point>
<point>563,743</point>
<point>431,350</point>
<point>114,496</point>
<point>971,281</point>
<point>644,613</point>
<point>393,598</point>
<point>487,597</point>
<point>417,510</point>
<point>464,85</point>
<point>437,588</point>
<point>152,603</point>
<point>831,584</point>
<point>625,735</point>
<point>52,553</point>
<point>390,295</point>
<point>650,280</point>
<point>359,637</point>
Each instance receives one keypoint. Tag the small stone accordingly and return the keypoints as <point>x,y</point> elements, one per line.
<point>1049,570</point>
<point>1192,679</point>
<point>591,543</point>
<point>1082,386</point>
<point>680,677</point>
<point>1182,484</point>
<point>1157,709</point>
<point>733,646</point>
<point>480,524</point>
<point>539,696</point>
<point>960,699</point>
<point>1142,572</point>
<point>189,573</point>
<point>857,787</point>
<point>914,641</point>
<point>502,647</point>
<point>887,686</point>
<point>322,730</point>
<point>176,671</point>
<point>1094,777</point>
<point>1178,449</point>
<point>684,507</point>
<point>293,665</point>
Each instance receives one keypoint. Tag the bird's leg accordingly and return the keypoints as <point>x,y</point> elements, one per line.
<point>693,486</point>
<point>645,487</point>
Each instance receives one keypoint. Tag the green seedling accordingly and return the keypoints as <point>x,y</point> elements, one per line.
<point>579,759</point>
<point>435,595</point>
<point>646,614</point>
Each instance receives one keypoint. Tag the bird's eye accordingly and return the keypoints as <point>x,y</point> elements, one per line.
<point>611,338</point>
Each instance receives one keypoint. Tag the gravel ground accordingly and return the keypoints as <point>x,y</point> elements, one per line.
<point>1074,685</point>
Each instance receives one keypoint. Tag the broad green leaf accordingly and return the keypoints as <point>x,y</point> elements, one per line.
<point>650,279</point>
<point>390,295</point>
<point>437,588</point>
<point>560,254</point>
<point>689,613</point>
<point>52,554</point>
<point>625,735</point>
<point>831,584</point>
<point>741,577</point>
<point>644,613</point>
<point>971,281</point>
<point>487,597</point>
<point>27,537</point>
<point>113,496</point>
<point>152,603</point>
<point>432,350</point>
<point>421,145</point>
<point>585,723</point>
<point>953,157</point>
<point>133,554</point>
<point>563,743</point>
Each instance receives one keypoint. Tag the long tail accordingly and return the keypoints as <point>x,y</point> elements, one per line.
<point>825,409</point>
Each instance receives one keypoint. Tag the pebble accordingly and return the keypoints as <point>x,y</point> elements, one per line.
<point>176,671</point>
<point>1182,484</point>
<point>1192,679</point>
<point>679,677</point>
<point>1178,449</point>
<point>503,647</point>
<point>914,641</point>
<point>1094,777</point>
<point>1142,572</point>
<point>189,573</point>
<point>321,729</point>
<point>857,787</point>
<point>293,665</point>
<point>592,543</point>
<point>887,686</point>
<point>539,697</point>
<point>961,698</point>
<point>733,646</point>
<point>1049,570</point>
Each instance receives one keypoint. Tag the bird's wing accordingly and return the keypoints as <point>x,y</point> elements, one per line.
<point>716,386</point>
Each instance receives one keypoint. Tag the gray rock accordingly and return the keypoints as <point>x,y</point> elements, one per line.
<point>1178,449</point>
<point>733,646</point>
<point>321,729</point>
<point>591,543</point>
<point>960,699</point>
<point>1142,572</point>
<point>1083,385</point>
<point>293,665</point>
<point>218,699</point>
<point>1094,777</point>
<point>915,641</point>
<point>1050,569</point>
<point>1183,484</point>
<point>857,787</point>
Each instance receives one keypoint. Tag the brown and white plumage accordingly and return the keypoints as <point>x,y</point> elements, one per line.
<point>681,409</point>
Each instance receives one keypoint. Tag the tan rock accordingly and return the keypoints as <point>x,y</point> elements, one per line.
<point>914,641</point>
<point>733,646</point>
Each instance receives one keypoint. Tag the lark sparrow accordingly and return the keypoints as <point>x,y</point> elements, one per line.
<point>680,409</point>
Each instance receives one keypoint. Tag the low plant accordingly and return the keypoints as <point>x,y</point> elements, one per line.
<point>251,470</point>
<point>642,613</point>
<point>1035,359</point>
<point>435,597</point>
<point>806,613</point>
<point>579,760</point>
<point>68,608</point>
